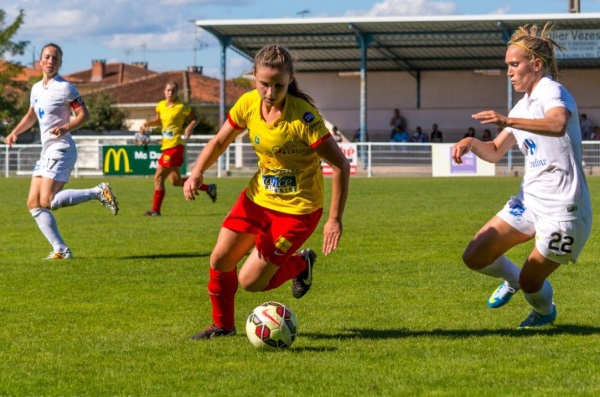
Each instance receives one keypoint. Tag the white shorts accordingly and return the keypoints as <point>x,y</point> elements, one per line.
<point>558,241</point>
<point>57,162</point>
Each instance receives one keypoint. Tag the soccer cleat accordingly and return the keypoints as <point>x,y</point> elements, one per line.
<point>302,283</point>
<point>108,199</point>
<point>212,332</point>
<point>501,295</point>
<point>536,320</point>
<point>67,254</point>
<point>151,213</point>
<point>212,192</point>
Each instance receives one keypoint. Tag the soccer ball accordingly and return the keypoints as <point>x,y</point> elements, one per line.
<point>272,325</point>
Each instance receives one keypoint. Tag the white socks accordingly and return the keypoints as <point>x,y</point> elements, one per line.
<point>542,300</point>
<point>503,268</point>
<point>47,225</point>
<point>67,198</point>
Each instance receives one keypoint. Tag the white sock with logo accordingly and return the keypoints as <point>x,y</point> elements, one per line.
<point>47,225</point>
<point>542,300</point>
<point>503,268</point>
<point>68,198</point>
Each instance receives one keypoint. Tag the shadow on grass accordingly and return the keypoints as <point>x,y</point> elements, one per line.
<point>167,256</point>
<point>563,329</point>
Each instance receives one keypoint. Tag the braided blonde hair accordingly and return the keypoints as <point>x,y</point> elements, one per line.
<point>538,45</point>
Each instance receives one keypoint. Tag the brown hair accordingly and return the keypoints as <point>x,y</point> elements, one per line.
<point>52,45</point>
<point>538,45</point>
<point>273,56</point>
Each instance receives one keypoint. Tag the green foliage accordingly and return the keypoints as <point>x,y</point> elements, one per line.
<point>104,116</point>
<point>12,94</point>
<point>392,312</point>
<point>205,126</point>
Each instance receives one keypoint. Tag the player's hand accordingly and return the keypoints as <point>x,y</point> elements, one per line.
<point>191,187</point>
<point>59,131</point>
<point>491,117</point>
<point>460,149</point>
<point>331,235</point>
<point>10,140</point>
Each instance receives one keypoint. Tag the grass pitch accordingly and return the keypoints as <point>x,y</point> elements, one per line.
<point>393,312</point>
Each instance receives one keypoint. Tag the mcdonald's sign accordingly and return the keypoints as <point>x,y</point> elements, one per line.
<point>132,160</point>
<point>116,154</point>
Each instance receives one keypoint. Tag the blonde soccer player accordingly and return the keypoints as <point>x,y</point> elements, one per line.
<point>553,205</point>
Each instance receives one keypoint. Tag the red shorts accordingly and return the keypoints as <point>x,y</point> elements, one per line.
<point>278,235</point>
<point>172,157</point>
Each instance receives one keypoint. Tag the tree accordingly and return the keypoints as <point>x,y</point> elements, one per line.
<point>13,95</point>
<point>104,116</point>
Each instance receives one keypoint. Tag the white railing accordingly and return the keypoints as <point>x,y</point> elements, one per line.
<point>379,159</point>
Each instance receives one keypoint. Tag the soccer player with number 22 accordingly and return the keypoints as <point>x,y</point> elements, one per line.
<point>553,205</point>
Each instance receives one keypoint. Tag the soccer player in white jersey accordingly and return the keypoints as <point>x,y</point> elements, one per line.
<point>553,205</point>
<point>52,100</point>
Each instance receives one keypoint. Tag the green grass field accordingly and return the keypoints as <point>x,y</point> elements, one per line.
<point>393,312</point>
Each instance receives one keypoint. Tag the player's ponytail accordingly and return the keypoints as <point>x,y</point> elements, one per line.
<point>538,45</point>
<point>277,57</point>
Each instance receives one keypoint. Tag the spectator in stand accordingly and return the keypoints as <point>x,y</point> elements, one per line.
<point>419,136</point>
<point>470,133</point>
<point>141,138</point>
<point>595,133</point>
<point>436,135</point>
<point>586,126</point>
<point>401,136</point>
<point>356,137</point>
<point>398,123</point>
<point>487,136</point>
<point>336,134</point>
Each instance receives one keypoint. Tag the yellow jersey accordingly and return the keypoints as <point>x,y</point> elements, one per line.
<point>289,177</point>
<point>171,120</point>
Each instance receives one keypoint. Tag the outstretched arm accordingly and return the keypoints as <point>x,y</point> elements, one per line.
<point>492,151</point>
<point>554,122</point>
<point>211,152</point>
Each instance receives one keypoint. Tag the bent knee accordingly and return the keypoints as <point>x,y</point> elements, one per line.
<point>530,285</point>
<point>474,260</point>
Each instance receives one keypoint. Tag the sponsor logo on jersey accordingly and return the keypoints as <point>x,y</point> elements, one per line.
<point>280,184</point>
<point>308,117</point>
<point>282,244</point>
<point>531,146</point>
<point>287,148</point>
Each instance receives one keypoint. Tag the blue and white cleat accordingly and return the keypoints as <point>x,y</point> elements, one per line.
<point>501,295</point>
<point>536,320</point>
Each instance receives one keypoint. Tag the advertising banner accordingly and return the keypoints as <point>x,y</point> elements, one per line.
<point>443,165</point>
<point>132,160</point>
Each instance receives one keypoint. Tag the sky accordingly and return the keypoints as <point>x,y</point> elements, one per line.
<point>163,33</point>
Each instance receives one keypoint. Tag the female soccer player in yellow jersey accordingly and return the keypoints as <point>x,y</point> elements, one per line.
<point>283,202</point>
<point>171,115</point>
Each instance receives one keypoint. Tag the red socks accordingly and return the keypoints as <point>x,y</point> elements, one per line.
<point>291,269</point>
<point>159,196</point>
<point>221,289</point>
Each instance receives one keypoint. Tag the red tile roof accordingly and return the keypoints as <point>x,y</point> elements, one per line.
<point>114,73</point>
<point>193,87</point>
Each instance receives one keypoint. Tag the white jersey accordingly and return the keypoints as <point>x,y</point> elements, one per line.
<point>52,104</point>
<point>554,184</point>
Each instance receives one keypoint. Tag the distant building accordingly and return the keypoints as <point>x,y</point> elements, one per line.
<point>137,90</point>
